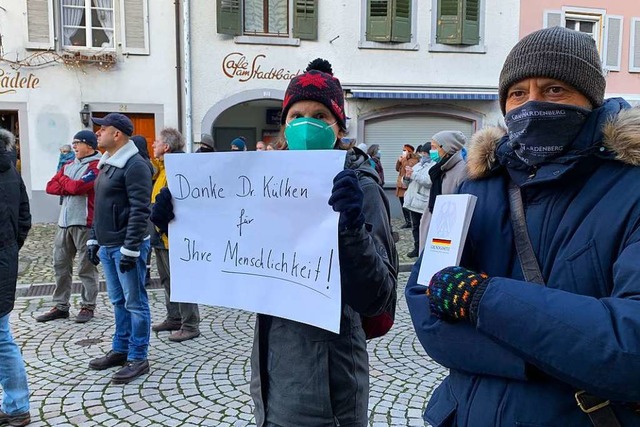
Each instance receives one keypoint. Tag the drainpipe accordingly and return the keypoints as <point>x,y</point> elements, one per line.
<point>178,64</point>
<point>186,33</point>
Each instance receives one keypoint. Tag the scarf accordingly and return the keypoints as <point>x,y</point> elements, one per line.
<point>436,173</point>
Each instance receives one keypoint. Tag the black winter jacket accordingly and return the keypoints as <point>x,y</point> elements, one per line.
<point>15,222</point>
<point>123,195</point>
<point>335,367</point>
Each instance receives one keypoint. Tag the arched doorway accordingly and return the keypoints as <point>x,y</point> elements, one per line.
<point>252,114</point>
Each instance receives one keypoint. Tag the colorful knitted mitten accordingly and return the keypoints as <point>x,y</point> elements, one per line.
<point>452,292</point>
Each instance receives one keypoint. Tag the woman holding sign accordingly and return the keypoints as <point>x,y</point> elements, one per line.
<point>303,375</point>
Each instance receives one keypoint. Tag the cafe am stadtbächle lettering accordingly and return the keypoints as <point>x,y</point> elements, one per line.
<point>237,66</point>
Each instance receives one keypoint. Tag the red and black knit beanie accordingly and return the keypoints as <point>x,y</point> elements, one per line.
<point>316,84</point>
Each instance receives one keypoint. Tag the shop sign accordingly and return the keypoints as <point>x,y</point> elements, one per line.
<point>238,66</point>
<point>10,82</point>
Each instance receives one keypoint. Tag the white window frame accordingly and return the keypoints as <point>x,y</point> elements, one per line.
<point>270,39</point>
<point>588,14</point>
<point>88,28</point>
<point>632,46</point>
<point>413,44</point>
<point>434,46</point>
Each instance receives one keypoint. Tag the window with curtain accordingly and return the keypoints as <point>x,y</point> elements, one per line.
<point>266,17</point>
<point>88,23</point>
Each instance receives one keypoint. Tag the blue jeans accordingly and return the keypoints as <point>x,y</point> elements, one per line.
<point>12,374</point>
<point>130,303</point>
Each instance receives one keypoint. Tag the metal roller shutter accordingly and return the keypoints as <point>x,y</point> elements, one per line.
<point>392,133</point>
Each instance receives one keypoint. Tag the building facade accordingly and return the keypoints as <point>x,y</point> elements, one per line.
<point>410,68</point>
<point>62,61</point>
<point>615,26</point>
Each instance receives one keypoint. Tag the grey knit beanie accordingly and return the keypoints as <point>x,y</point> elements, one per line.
<point>451,141</point>
<point>556,53</point>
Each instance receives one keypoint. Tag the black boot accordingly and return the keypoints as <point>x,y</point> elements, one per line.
<point>415,252</point>
<point>407,218</point>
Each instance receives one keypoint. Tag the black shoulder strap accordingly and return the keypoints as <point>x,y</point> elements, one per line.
<point>528,261</point>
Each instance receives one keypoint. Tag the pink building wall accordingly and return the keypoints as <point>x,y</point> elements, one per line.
<point>618,82</point>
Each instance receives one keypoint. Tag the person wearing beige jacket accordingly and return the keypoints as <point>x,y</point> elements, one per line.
<point>406,160</point>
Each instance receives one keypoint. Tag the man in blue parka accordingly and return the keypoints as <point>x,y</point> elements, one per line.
<point>519,351</point>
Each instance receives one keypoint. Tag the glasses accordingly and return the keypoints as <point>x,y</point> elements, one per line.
<point>78,142</point>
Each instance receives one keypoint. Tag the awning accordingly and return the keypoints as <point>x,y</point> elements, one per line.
<point>429,93</point>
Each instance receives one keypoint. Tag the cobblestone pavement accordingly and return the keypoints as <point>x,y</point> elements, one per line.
<point>202,382</point>
<point>36,256</point>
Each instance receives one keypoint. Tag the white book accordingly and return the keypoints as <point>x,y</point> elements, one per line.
<point>447,234</point>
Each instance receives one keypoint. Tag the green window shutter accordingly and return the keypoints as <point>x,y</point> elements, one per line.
<point>458,22</point>
<point>471,23</point>
<point>401,24</point>
<point>228,16</point>
<point>449,30</point>
<point>379,20</point>
<point>305,19</point>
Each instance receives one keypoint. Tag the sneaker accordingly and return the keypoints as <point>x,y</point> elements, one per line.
<point>52,314</point>
<point>15,420</point>
<point>167,325</point>
<point>183,335</point>
<point>132,370</point>
<point>110,360</point>
<point>84,315</point>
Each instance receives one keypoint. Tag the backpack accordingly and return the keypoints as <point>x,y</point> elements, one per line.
<point>379,325</point>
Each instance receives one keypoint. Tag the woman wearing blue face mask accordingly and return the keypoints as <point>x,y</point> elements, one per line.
<point>446,174</point>
<point>303,375</point>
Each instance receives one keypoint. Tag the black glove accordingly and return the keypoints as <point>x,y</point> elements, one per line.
<point>347,198</point>
<point>92,254</point>
<point>162,212</point>
<point>127,263</point>
<point>455,292</point>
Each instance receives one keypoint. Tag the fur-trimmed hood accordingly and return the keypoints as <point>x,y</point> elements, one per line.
<point>620,136</point>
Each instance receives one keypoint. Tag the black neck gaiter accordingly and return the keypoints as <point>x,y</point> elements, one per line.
<point>540,131</point>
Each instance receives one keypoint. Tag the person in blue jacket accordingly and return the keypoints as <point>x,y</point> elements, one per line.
<point>565,352</point>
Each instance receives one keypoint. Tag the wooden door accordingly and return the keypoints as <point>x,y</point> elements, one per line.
<point>143,124</point>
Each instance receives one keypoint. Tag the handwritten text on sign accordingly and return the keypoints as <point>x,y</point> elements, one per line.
<point>253,231</point>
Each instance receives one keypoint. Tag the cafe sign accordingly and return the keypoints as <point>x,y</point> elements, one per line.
<point>10,82</point>
<point>238,66</point>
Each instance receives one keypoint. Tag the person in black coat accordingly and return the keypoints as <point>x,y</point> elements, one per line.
<point>15,222</point>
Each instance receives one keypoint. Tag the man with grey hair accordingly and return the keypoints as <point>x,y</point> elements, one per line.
<point>15,222</point>
<point>183,318</point>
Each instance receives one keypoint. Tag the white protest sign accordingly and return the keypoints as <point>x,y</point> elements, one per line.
<point>254,231</point>
<point>447,234</point>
